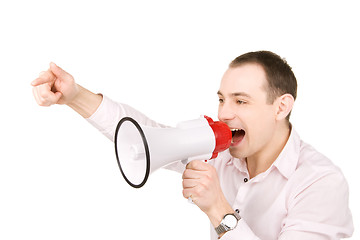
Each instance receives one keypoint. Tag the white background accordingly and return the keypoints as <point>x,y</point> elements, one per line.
<point>59,177</point>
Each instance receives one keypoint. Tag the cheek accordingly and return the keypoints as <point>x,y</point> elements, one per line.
<point>260,115</point>
<point>261,123</point>
<point>265,114</point>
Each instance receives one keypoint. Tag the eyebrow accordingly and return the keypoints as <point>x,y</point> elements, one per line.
<point>236,94</point>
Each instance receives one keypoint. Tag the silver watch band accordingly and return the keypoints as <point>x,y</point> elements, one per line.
<point>222,227</point>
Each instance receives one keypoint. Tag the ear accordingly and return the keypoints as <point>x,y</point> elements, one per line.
<point>284,105</point>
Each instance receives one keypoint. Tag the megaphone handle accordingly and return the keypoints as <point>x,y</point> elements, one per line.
<point>204,158</point>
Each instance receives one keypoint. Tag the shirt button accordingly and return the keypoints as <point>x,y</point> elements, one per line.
<point>245,179</point>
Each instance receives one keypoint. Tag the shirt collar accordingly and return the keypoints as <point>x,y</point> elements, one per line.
<point>240,164</point>
<point>286,162</point>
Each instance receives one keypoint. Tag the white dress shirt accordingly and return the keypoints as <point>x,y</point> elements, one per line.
<point>303,195</point>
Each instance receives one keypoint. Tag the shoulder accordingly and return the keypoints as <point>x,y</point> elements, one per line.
<point>314,173</point>
<point>314,165</point>
<point>316,176</point>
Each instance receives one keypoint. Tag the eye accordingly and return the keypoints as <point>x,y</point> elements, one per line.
<point>240,102</point>
<point>221,100</point>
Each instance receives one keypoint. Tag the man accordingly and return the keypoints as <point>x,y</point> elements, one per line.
<point>269,184</point>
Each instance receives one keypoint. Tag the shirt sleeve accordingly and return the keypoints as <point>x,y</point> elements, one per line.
<point>109,113</point>
<point>242,231</point>
<point>319,210</point>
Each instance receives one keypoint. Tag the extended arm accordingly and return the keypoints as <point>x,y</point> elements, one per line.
<point>56,86</point>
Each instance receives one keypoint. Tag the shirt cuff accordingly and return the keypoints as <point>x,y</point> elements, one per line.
<point>242,231</point>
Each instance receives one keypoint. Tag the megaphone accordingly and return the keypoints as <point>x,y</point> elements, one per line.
<point>140,150</point>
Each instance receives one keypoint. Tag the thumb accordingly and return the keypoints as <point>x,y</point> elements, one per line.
<point>57,97</point>
<point>58,71</point>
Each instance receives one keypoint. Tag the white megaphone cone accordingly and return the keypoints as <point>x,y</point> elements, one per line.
<point>140,150</point>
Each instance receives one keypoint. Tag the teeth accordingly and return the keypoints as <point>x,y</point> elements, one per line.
<point>233,130</point>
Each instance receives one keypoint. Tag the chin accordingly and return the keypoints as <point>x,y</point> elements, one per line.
<point>236,153</point>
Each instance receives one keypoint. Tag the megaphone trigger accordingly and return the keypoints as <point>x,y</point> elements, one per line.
<point>204,158</point>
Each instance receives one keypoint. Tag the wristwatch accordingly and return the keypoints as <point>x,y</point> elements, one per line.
<point>229,222</point>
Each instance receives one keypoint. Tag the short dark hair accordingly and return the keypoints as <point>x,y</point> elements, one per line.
<point>279,75</point>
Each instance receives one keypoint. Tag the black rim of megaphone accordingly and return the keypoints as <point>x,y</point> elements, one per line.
<point>146,151</point>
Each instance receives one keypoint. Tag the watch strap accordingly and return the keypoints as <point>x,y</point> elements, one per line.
<point>222,228</point>
<point>237,215</point>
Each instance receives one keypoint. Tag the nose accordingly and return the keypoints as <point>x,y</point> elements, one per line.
<point>225,113</point>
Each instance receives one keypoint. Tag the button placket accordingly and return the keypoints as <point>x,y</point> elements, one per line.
<point>242,193</point>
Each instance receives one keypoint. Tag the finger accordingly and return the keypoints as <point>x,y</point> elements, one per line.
<point>44,77</point>
<point>44,96</point>
<point>36,96</point>
<point>41,95</point>
<point>58,71</point>
<point>39,99</point>
<point>190,183</point>
<point>54,97</point>
<point>188,193</point>
<point>198,165</point>
<point>192,174</point>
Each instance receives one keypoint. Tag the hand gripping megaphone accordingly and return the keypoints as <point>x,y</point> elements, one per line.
<point>140,150</point>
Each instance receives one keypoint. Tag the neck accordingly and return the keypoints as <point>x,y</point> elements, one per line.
<point>262,160</point>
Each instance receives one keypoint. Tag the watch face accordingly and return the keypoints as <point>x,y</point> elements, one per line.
<point>230,221</point>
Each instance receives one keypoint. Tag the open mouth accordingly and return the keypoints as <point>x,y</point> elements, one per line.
<point>237,136</point>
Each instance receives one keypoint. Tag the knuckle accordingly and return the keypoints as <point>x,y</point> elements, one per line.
<point>207,179</point>
<point>212,171</point>
<point>198,191</point>
<point>43,104</point>
<point>196,164</point>
<point>185,173</point>
<point>189,165</point>
<point>211,168</point>
<point>43,101</point>
<point>205,182</point>
<point>184,192</point>
<point>43,94</point>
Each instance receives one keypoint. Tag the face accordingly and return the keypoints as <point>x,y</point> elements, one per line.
<point>243,107</point>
